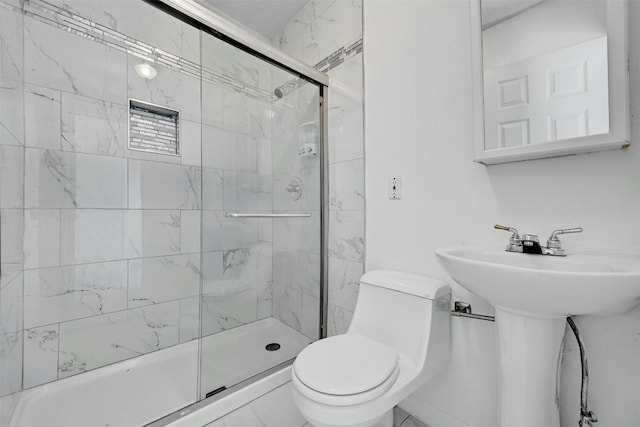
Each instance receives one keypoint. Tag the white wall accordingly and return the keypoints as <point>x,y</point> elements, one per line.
<point>418,124</point>
<point>551,25</point>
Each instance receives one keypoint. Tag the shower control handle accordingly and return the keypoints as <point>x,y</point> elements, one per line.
<point>294,189</point>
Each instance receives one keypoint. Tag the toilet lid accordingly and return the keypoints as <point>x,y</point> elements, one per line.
<point>345,364</point>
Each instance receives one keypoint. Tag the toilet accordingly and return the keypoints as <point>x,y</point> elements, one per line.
<point>399,338</point>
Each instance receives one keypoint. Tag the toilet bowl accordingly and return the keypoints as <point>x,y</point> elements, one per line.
<point>399,338</point>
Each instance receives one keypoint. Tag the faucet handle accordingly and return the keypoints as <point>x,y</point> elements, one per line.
<point>567,231</point>
<point>515,243</point>
<point>501,227</point>
<point>554,242</point>
<point>554,247</point>
<point>514,236</point>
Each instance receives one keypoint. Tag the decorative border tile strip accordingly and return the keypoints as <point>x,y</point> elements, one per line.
<point>9,6</point>
<point>339,56</point>
<point>78,25</point>
<point>330,62</point>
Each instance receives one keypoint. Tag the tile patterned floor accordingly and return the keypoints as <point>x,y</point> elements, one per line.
<point>401,418</point>
<point>276,409</point>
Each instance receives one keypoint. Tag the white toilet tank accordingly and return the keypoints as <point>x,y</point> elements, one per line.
<point>408,313</point>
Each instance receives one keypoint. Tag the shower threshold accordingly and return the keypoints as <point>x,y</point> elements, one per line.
<point>233,356</point>
<point>139,391</point>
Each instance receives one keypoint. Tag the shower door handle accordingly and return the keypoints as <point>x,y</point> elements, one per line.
<point>265,215</point>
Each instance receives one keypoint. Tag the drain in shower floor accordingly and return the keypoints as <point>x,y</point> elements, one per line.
<point>272,346</point>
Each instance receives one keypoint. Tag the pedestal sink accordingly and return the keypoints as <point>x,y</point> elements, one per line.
<point>532,296</point>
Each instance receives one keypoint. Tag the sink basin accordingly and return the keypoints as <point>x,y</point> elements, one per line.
<point>546,286</point>
<point>532,295</point>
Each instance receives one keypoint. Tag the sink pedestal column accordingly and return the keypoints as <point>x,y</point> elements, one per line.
<point>529,351</point>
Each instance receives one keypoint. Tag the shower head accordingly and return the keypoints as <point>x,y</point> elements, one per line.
<point>278,92</point>
<point>287,87</point>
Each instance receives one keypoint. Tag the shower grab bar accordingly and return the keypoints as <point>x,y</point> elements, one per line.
<point>265,215</point>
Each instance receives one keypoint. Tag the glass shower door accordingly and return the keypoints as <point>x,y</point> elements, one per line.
<point>159,206</point>
<point>260,301</point>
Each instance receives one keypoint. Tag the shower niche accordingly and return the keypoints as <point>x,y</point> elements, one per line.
<point>153,128</point>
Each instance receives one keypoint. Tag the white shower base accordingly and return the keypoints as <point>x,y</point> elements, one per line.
<point>238,354</point>
<point>138,391</point>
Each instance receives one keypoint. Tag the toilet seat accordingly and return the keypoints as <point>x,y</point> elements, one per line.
<point>345,370</point>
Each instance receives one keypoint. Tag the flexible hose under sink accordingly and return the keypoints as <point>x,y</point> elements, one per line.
<point>587,417</point>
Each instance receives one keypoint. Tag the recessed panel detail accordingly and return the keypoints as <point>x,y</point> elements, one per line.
<point>570,80</point>
<point>568,125</point>
<point>513,92</point>
<point>513,134</point>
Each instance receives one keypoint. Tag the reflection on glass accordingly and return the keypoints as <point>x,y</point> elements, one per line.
<point>545,71</point>
<point>260,301</point>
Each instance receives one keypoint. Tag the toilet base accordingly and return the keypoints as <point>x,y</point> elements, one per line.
<point>385,420</point>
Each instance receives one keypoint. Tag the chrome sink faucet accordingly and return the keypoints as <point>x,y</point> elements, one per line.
<point>529,243</point>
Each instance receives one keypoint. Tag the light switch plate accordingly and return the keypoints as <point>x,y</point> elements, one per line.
<point>395,187</point>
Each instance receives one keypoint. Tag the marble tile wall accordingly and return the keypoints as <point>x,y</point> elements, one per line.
<point>104,242</point>
<point>12,155</point>
<point>321,28</point>
<point>236,171</point>
<point>318,30</point>
<point>112,236</point>
<point>296,241</point>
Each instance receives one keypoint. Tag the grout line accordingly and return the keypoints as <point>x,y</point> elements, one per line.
<point>58,354</point>
<point>107,261</point>
<point>127,267</point>
<point>346,161</point>
<point>24,185</point>
<point>406,417</point>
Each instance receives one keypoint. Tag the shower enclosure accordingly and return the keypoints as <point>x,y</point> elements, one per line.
<point>162,195</point>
